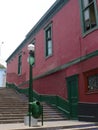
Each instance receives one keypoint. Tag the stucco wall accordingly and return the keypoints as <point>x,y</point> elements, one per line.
<point>68,45</point>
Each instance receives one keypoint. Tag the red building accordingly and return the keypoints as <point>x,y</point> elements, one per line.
<point>65,72</point>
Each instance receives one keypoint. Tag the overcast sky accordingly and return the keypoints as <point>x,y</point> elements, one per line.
<point>17,17</point>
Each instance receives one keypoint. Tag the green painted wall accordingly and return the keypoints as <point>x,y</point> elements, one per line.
<point>61,104</point>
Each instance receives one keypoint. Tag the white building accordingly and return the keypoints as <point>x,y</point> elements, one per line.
<point>2,76</point>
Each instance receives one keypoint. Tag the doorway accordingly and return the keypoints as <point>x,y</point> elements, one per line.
<point>72,89</point>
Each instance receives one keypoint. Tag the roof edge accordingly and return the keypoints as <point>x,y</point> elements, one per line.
<point>58,4</point>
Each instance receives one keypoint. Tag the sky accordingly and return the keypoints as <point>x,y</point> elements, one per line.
<point>17,17</point>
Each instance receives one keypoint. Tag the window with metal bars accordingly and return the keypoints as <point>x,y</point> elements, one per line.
<point>91,80</point>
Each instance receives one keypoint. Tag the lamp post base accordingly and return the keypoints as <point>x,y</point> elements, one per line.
<point>33,121</point>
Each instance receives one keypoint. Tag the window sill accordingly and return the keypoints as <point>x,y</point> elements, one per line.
<point>19,74</point>
<point>92,92</point>
<point>48,56</point>
<point>89,31</point>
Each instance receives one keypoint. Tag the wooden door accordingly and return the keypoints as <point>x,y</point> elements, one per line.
<point>72,87</point>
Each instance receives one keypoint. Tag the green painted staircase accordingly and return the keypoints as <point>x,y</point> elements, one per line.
<point>14,106</point>
<point>51,113</point>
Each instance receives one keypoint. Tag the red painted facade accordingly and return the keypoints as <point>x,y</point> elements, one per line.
<point>69,46</point>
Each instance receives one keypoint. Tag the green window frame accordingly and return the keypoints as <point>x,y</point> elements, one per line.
<point>48,41</point>
<point>19,64</point>
<point>89,18</point>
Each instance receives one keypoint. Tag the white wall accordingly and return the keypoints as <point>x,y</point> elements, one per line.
<point>2,77</point>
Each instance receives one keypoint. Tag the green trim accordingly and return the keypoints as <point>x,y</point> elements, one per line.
<point>55,8</point>
<point>47,30</point>
<point>72,91</point>
<point>20,64</point>
<point>25,91</point>
<point>86,32</point>
<point>58,4</point>
<point>81,17</point>
<point>60,103</point>
<point>73,62</point>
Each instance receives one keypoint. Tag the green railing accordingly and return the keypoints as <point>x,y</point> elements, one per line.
<point>60,103</point>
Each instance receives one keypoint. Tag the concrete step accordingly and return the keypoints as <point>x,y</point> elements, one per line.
<point>11,121</point>
<point>89,126</point>
<point>12,115</point>
<point>14,106</point>
<point>13,112</point>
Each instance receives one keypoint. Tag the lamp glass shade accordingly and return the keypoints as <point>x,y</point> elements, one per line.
<point>31,60</point>
<point>31,47</point>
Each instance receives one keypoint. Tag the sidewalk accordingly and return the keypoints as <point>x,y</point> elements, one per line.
<point>52,125</point>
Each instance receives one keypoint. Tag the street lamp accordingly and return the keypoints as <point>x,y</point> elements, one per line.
<point>31,49</point>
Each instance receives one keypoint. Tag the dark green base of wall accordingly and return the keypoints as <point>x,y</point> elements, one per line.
<point>88,112</point>
<point>60,103</point>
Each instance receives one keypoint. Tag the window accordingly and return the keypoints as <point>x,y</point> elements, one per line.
<point>19,64</point>
<point>89,14</point>
<point>48,41</point>
<point>91,80</point>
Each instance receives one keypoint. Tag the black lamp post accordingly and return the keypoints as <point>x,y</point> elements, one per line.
<point>31,62</point>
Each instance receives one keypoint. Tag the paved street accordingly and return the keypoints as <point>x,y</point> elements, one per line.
<point>54,125</point>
